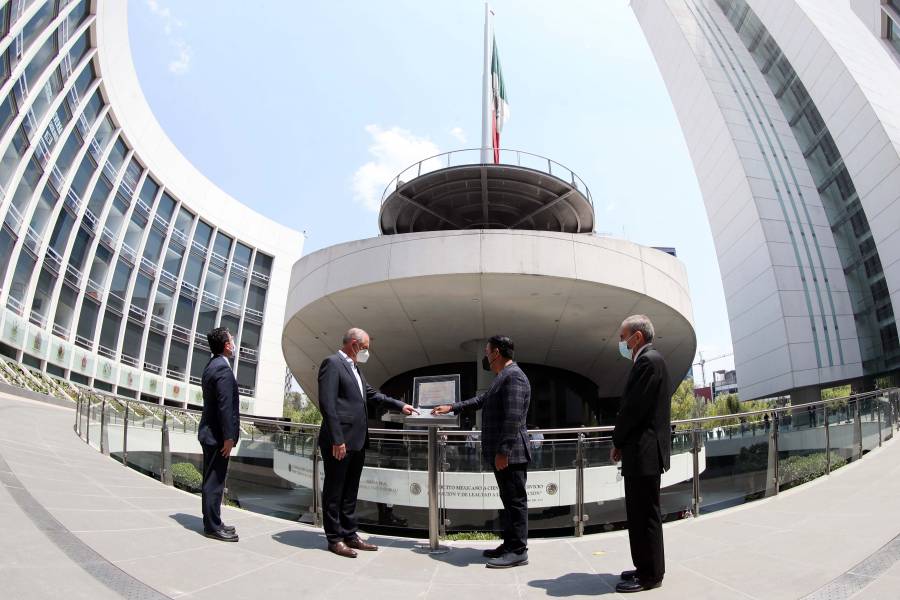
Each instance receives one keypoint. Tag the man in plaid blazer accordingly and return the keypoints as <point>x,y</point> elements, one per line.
<point>504,445</point>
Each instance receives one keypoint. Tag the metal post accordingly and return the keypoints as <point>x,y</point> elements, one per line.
<point>77,413</point>
<point>777,458</point>
<point>317,486</point>
<point>579,517</point>
<point>165,471</point>
<point>878,414</point>
<point>104,434</point>
<point>827,441</point>
<point>87,436</point>
<point>858,427</point>
<point>695,450</point>
<point>434,546</point>
<point>444,467</point>
<point>125,436</point>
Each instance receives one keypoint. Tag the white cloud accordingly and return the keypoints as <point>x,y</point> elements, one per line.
<point>459,134</point>
<point>392,151</point>
<point>181,64</point>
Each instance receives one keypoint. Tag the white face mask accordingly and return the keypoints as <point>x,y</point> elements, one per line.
<point>362,356</point>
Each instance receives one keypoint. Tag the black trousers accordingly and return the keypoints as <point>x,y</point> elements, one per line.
<point>339,492</point>
<point>645,532</point>
<point>215,469</point>
<point>514,516</point>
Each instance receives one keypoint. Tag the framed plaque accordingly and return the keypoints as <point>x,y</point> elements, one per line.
<point>435,390</point>
<point>430,391</point>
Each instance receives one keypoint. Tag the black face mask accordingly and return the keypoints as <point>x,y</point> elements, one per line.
<point>485,363</point>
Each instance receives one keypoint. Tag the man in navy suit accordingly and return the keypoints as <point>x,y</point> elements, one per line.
<point>218,432</point>
<point>344,395</point>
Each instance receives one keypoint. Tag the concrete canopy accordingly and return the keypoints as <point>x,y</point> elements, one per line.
<point>421,297</point>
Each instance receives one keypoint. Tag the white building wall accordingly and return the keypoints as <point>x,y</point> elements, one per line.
<point>789,327</point>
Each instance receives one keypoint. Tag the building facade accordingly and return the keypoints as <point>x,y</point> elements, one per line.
<point>789,110</point>
<point>116,255</point>
<point>470,250</point>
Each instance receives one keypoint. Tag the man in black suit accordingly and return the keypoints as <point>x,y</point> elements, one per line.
<point>344,437</point>
<point>505,446</point>
<point>642,441</point>
<point>218,431</point>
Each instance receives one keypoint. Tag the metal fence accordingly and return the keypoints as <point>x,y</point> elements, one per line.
<point>717,462</point>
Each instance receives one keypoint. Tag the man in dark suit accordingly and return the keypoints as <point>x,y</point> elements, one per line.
<point>642,441</point>
<point>505,446</point>
<point>344,437</point>
<point>218,431</point>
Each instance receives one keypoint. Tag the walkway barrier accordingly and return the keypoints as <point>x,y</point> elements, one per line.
<point>716,462</point>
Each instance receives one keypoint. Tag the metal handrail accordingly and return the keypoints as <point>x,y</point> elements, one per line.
<point>394,183</point>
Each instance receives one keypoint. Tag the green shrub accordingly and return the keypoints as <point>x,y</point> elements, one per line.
<point>185,475</point>
<point>472,535</point>
<point>795,470</point>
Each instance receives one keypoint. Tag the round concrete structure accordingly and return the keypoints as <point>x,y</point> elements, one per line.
<point>422,296</point>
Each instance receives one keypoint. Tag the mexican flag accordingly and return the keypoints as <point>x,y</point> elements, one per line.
<point>500,102</point>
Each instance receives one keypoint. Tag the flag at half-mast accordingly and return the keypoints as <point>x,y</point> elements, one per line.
<point>499,103</point>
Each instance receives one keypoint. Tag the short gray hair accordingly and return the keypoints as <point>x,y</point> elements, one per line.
<point>353,334</point>
<point>641,323</point>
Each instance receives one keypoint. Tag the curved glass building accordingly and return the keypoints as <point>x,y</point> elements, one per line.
<point>116,255</point>
<point>789,111</point>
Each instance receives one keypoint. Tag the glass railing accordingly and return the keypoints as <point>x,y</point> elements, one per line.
<point>573,487</point>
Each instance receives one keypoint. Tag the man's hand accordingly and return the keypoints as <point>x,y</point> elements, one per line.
<point>226,448</point>
<point>501,461</point>
<point>409,410</point>
<point>441,410</point>
<point>615,455</point>
<point>339,451</point>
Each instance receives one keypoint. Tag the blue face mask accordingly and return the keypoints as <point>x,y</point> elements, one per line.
<point>623,347</point>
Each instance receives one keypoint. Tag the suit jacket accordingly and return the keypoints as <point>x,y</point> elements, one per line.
<point>505,406</point>
<point>345,412</point>
<point>643,426</point>
<point>221,405</point>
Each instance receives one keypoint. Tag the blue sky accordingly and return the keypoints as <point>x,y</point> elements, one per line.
<point>305,110</point>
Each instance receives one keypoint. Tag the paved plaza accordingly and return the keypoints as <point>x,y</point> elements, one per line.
<point>77,524</point>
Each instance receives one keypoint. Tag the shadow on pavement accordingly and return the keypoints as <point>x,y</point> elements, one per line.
<point>578,584</point>
<point>301,539</point>
<point>192,522</point>
<point>461,557</point>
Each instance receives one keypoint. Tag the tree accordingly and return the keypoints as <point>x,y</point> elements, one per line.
<point>684,403</point>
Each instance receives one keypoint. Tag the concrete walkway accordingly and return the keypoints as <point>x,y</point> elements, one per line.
<point>76,524</point>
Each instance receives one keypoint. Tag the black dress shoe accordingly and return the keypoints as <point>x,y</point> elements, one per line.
<point>221,535</point>
<point>228,528</point>
<point>628,587</point>
<point>628,575</point>
<point>495,553</point>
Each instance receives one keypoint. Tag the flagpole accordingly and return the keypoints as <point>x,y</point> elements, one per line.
<point>486,110</point>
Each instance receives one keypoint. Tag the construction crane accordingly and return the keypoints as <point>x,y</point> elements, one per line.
<point>702,362</point>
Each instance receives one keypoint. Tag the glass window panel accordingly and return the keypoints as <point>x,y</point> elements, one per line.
<point>194,270</point>
<point>172,263</point>
<point>183,222</point>
<point>6,246</point>
<point>140,297</point>
<point>22,276</point>
<point>223,245</point>
<point>262,264</point>
<point>79,250</point>
<point>100,268</point>
<point>131,345</point>
<point>135,231</point>
<point>101,192</point>
<point>184,313</point>
<point>61,231</point>
<point>166,207</point>
<point>235,290</point>
<point>43,209</point>
<point>149,191</point>
<point>162,306</point>
<point>109,331</point>
<point>153,247</point>
<point>65,308</point>
<point>154,353</point>
<point>256,298</point>
<point>12,157</point>
<point>246,376</point>
<point>27,185</point>
<point>242,255</point>
<point>203,234</point>
<point>213,283</point>
<point>177,361</point>
<point>42,293</point>
<point>250,336</point>
<point>87,322</point>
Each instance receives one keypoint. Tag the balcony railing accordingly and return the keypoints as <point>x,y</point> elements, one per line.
<point>473,156</point>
